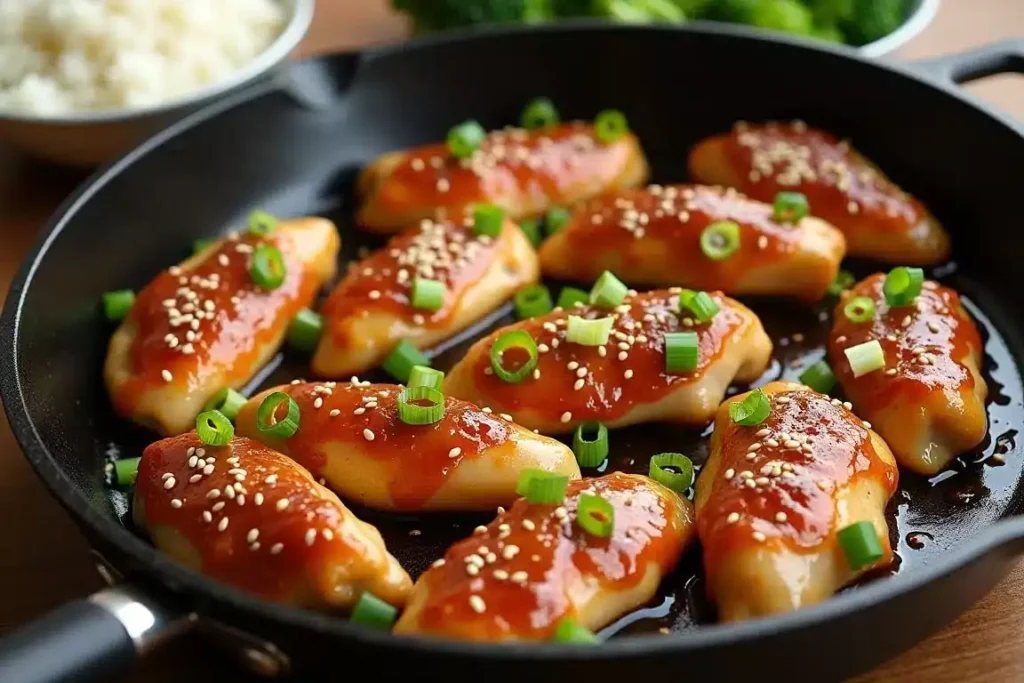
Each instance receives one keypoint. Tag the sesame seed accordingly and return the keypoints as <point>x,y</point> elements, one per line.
<point>566,416</point>
<point>217,507</point>
<point>252,535</point>
<point>478,604</point>
<point>481,529</point>
<point>890,372</point>
<point>166,374</point>
<point>578,384</point>
<point>208,469</point>
<point>282,504</point>
<point>847,405</point>
<point>368,435</point>
<point>270,479</point>
<point>222,524</point>
<point>510,551</point>
<point>170,482</point>
<point>529,525</point>
<point>867,425</point>
<point>628,374</point>
<point>194,478</point>
<point>207,517</point>
<point>520,577</point>
<point>310,536</point>
<point>730,473</point>
<point>213,493</point>
<point>328,535</point>
<point>276,548</point>
<point>758,536</point>
<point>318,402</point>
<point>772,443</point>
<point>732,518</point>
<point>780,517</point>
<point>763,433</point>
<point>438,563</point>
<point>176,503</point>
<point>754,447</point>
<point>374,294</point>
<point>335,413</point>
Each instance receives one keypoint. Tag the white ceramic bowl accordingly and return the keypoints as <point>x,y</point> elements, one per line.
<point>922,12</point>
<point>92,137</point>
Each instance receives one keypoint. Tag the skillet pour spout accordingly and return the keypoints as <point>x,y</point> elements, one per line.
<point>301,151</point>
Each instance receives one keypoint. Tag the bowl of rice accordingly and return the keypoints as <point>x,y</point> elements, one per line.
<point>82,81</point>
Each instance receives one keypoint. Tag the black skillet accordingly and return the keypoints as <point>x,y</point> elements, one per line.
<point>294,146</point>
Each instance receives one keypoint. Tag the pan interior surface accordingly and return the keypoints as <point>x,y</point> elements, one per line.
<point>296,151</point>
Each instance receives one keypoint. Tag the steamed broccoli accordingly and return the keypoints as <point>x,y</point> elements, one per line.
<point>437,15</point>
<point>873,19</point>
<point>783,15</point>
<point>831,12</point>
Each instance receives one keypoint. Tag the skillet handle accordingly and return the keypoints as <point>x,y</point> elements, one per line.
<point>93,640</point>
<point>1006,56</point>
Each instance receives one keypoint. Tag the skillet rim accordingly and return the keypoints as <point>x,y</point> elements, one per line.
<point>200,590</point>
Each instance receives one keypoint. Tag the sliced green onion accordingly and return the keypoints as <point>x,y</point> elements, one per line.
<point>700,304</point>
<point>752,410</point>
<point>542,487</point>
<point>117,304</point>
<point>555,219</point>
<point>540,113</point>
<point>261,223</point>
<point>126,471</point>
<point>427,295</point>
<point>266,416</point>
<point>402,359</point>
<point>465,138</point>
<point>663,470</point>
<point>860,544</point>
<point>819,377</point>
<point>590,452</point>
<point>488,219</point>
<point>411,412</point>
<point>531,228</point>
<point>609,291</point>
<point>570,296</point>
<point>532,301</point>
<point>865,358</point>
<point>859,309</point>
<point>568,631</point>
<point>790,207</point>
<point>514,339</point>
<point>202,243</point>
<point>305,329</point>
<point>720,240</point>
<point>267,269</point>
<point>214,428</point>
<point>610,125</point>
<point>595,515</point>
<point>424,376</point>
<point>588,332</point>
<point>902,286</point>
<point>374,612</point>
<point>682,352</point>
<point>844,280</point>
<point>227,401</point>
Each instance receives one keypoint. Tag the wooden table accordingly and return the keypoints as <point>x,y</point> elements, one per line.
<point>36,576</point>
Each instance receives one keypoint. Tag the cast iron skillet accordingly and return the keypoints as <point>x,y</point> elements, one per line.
<point>294,146</point>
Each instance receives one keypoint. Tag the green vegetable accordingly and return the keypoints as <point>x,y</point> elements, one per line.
<point>783,15</point>
<point>831,12</point>
<point>830,33</point>
<point>640,11</point>
<point>873,19</point>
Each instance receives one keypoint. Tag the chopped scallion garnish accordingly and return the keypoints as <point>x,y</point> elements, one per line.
<point>902,286</point>
<point>859,309</point>
<point>865,358</point>
<point>374,612</point>
<point>844,280</point>
<point>720,240</point>
<point>267,269</point>
<point>227,401</point>
<point>267,421</point>
<point>427,295</point>
<point>539,113</point>
<point>590,444</point>
<point>402,359</point>
<point>819,377</point>
<point>568,631</point>
<point>752,410</point>
<point>700,304</point>
<point>860,545</point>
<point>610,125</point>
<point>531,228</point>
<point>261,223</point>
<point>595,515</point>
<point>202,243</point>
<point>424,376</point>
<point>514,339</point>
<point>674,470</point>
<point>609,291</point>
<point>790,207</point>
<point>420,405</point>
<point>570,296</point>
<point>117,304</point>
<point>214,428</point>
<point>532,301</point>
<point>305,329</point>
<point>682,352</point>
<point>588,332</point>
<point>542,487</point>
<point>126,471</point>
<point>555,219</point>
<point>465,138</point>
<point>488,219</point>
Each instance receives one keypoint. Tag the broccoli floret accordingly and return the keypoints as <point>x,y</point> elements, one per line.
<point>639,10</point>
<point>694,9</point>
<point>783,15</point>
<point>873,19</point>
<point>437,15</point>
<point>737,11</point>
<point>829,33</point>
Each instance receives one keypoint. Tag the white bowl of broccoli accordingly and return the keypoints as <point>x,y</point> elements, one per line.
<point>874,27</point>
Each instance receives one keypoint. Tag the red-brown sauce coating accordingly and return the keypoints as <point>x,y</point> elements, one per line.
<point>783,491</point>
<point>591,384</point>
<point>443,251</point>
<point>924,344</point>
<point>674,216</point>
<point>840,185</point>
<point>529,558</point>
<point>418,458</point>
<point>265,546</point>
<point>212,319</point>
<point>509,163</point>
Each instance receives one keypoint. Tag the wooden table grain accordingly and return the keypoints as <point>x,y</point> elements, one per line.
<point>44,561</point>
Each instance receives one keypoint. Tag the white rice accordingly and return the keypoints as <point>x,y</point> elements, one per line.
<point>60,56</point>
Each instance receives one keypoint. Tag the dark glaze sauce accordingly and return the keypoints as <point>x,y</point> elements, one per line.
<point>417,458</point>
<point>924,346</point>
<point>842,186</point>
<point>526,561</point>
<point>212,319</point>
<point>668,221</point>
<point>243,483</point>
<point>631,371</point>
<point>783,492</point>
<point>509,163</point>
<point>452,254</point>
